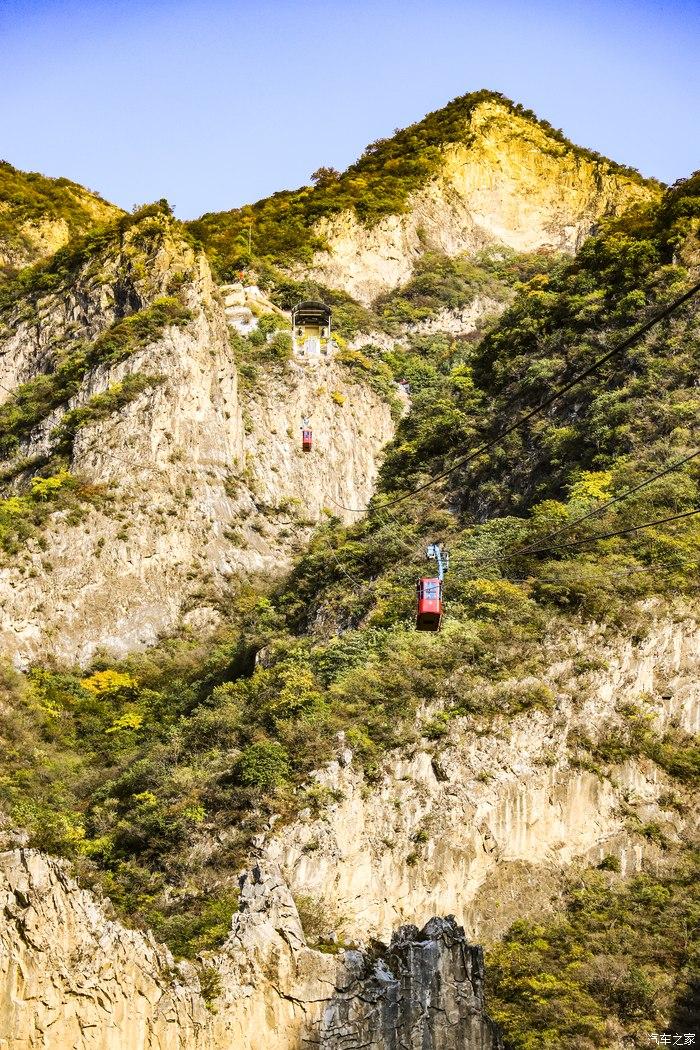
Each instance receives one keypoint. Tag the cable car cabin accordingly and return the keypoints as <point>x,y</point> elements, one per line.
<point>311,330</point>
<point>306,439</point>
<point>429,612</point>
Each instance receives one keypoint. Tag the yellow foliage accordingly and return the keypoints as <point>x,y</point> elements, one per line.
<point>298,690</point>
<point>358,740</point>
<point>356,357</point>
<point>337,397</point>
<point>493,596</point>
<point>592,485</point>
<point>549,512</point>
<point>195,813</point>
<point>146,799</point>
<point>44,488</point>
<point>129,720</point>
<point>105,682</point>
<point>98,847</point>
<point>13,505</point>
<point>73,831</point>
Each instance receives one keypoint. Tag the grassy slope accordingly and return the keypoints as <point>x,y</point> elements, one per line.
<point>28,199</point>
<point>377,184</point>
<point>130,768</point>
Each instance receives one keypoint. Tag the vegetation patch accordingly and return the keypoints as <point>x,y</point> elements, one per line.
<point>57,272</point>
<point>675,751</point>
<point>268,345</point>
<point>440,282</point>
<point>22,516</point>
<point>617,968</point>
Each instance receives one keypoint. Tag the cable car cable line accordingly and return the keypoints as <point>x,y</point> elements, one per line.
<point>578,543</point>
<point>357,586</point>
<point>537,544</point>
<point>617,499</point>
<point>609,576</point>
<point>617,532</point>
<point>559,392</point>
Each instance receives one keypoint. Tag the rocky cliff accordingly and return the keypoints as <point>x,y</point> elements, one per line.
<point>464,825</point>
<point>426,990</point>
<point>509,184</point>
<point>201,483</point>
<point>71,977</point>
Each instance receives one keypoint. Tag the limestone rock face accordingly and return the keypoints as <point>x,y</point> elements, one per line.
<point>205,482</point>
<point>72,978</point>
<point>350,426</point>
<point>484,825</point>
<point>511,185</point>
<point>425,991</point>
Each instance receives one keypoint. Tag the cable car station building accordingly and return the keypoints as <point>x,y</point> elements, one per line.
<point>311,331</point>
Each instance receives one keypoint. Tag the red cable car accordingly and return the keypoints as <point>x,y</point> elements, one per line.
<point>306,438</point>
<point>429,612</point>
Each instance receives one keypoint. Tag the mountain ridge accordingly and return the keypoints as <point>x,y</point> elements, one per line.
<point>329,231</point>
<point>292,228</point>
<point>39,215</point>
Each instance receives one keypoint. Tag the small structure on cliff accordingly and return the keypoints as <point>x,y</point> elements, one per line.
<point>311,330</point>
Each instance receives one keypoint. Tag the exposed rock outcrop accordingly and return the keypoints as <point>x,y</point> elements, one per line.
<point>426,990</point>
<point>483,824</point>
<point>244,304</point>
<point>204,483</point>
<point>72,978</point>
<point>512,184</point>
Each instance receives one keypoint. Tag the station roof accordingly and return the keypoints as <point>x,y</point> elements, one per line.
<point>311,311</point>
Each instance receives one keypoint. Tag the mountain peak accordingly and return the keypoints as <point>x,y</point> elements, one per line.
<point>39,215</point>
<point>479,171</point>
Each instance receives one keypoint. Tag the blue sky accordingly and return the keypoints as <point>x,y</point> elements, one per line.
<point>212,103</point>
